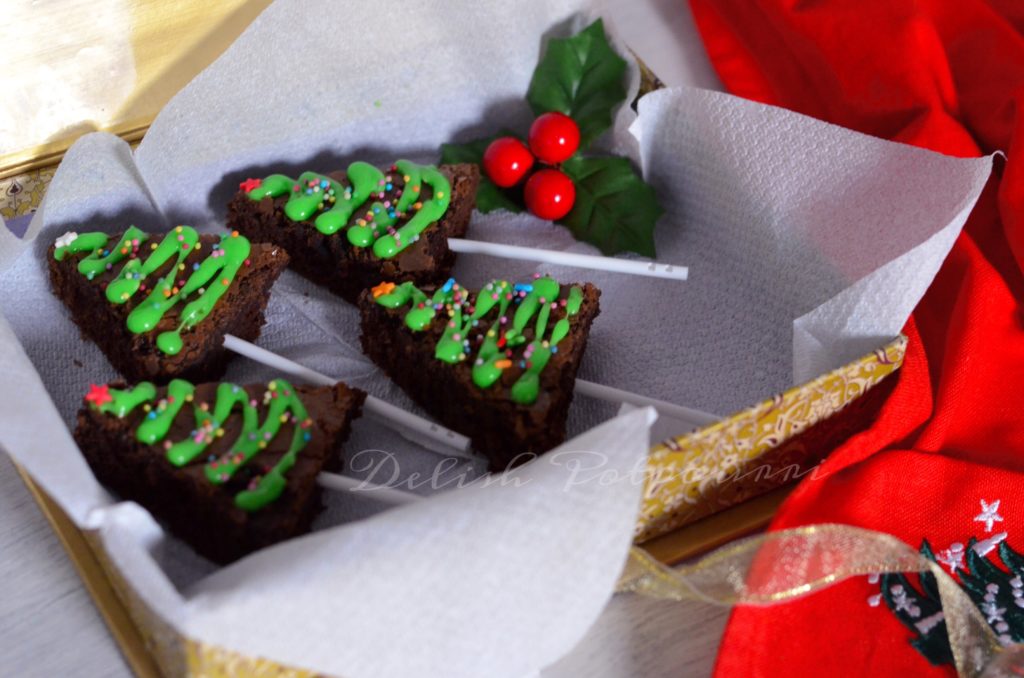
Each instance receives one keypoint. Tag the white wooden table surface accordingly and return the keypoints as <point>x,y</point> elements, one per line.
<point>49,627</point>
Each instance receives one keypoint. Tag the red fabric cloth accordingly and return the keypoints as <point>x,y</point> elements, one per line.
<point>948,76</point>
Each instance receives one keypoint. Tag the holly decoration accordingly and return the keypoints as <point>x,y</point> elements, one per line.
<point>549,193</point>
<point>615,209</point>
<point>576,88</point>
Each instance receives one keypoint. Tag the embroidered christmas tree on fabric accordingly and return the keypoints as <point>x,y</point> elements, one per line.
<point>996,588</point>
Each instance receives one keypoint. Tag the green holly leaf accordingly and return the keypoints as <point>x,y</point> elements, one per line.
<point>489,196</point>
<point>615,209</point>
<point>582,77</point>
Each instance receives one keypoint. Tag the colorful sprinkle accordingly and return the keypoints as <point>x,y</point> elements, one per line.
<point>382,289</point>
<point>98,395</point>
<point>250,185</point>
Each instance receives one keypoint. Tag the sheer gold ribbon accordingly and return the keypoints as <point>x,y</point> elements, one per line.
<point>780,566</point>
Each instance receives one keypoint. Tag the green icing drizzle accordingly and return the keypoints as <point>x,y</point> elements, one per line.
<point>157,423</point>
<point>467,319</point>
<point>283,406</point>
<point>335,204</point>
<point>87,242</point>
<point>204,285</point>
<point>123,402</point>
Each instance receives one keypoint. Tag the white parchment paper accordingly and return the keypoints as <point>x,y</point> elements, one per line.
<point>808,245</point>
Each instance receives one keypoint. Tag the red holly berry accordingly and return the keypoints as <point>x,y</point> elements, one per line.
<point>550,194</point>
<point>554,137</point>
<point>507,160</point>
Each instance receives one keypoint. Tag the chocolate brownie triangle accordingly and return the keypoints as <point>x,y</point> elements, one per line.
<point>159,306</point>
<point>350,230</point>
<point>230,469</point>
<point>498,365</point>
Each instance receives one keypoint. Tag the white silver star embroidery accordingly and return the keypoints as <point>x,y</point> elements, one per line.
<point>953,557</point>
<point>66,239</point>
<point>989,514</point>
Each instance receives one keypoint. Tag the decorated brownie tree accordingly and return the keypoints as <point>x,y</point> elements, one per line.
<point>574,92</point>
<point>159,306</point>
<point>397,196</point>
<point>230,468</point>
<point>498,364</point>
<point>348,230</point>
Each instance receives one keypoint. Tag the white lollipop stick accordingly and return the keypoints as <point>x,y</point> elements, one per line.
<point>696,418</point>
<point>388,495</point>
<point>647,268</point>
<point>422,430</point>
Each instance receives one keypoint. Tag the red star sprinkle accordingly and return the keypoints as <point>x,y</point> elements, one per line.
<point>98,395</point>
<point>250,184</point>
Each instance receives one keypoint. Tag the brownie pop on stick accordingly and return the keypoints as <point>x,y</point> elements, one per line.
<point>349,230</point>
<point>498,364</point>
<point>229,468</point>
<point>159,306</point>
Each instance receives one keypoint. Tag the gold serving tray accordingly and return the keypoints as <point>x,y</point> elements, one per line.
<point>170,43</point>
